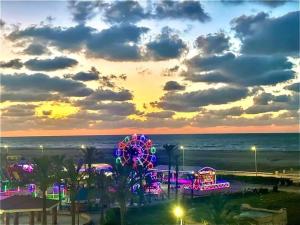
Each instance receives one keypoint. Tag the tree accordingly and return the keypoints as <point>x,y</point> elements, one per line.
<point>176,155</point>
<point>170,151</point>
<point>122,191</point>
<point>58,167</point>
<point>219,212</point>
<point>44,178</point>
<point>90,155</point>
<point>103,183</point>
<point>72,177</point>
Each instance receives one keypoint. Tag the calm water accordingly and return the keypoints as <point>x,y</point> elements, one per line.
<point>243,142</point>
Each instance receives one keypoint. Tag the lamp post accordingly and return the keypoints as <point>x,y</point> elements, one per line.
<point>82,146</point>
<point>253,148</point>
<point>178,212</point>
<point>42,148</point>
<point>6,148</point>
<point>182,148</point>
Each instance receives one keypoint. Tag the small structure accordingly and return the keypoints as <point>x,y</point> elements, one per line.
<point>17,204</point>
<point>262,216</point>
<point>205,179</point>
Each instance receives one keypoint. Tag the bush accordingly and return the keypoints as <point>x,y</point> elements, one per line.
<point>112,216</point>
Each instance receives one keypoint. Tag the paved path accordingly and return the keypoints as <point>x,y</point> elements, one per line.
<point>294,176</point>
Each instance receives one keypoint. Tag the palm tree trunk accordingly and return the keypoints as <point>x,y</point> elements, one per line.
<point>122,212</point>
<point>169,174</point>
<point>89,183</point>
<point>102,214</point>
<point>141,189</point>
<point>73,211</point>
<point>44,221</point>
<point>176,177</point>
<point>59,195</point>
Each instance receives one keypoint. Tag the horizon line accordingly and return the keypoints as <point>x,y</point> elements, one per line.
<point>205,133</point>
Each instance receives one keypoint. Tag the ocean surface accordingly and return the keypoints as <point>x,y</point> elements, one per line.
<point>231,142</point>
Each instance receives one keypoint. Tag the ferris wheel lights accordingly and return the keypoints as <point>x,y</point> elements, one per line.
<point>118,160</point>
<point>153,150</point>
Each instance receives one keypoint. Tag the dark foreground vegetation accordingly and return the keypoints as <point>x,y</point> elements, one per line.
<point>216,209</point>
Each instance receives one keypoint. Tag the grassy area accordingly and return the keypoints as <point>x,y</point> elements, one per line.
<point>201,209</point>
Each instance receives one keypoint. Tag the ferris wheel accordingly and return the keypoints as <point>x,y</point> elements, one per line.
<point>136,150</point>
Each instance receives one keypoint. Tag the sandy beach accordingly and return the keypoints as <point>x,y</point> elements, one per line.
<point>222,160</point>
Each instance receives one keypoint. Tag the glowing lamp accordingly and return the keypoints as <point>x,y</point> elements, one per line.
<point>178,212</point>
<point>253,148</point>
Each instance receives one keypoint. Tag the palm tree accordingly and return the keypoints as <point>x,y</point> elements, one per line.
<point>103,183</point>
<point>219,212</point>
<point>170,151</point>
<point>43,177</point>
<point>176,155</point>
<point>72,177</point>
<point>89,155</point>
<point>122,191</point>
<point>58,166</point>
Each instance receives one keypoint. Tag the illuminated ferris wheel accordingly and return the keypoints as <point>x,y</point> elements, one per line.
<point>136,150</point>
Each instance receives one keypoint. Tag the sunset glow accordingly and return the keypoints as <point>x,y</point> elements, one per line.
<point>70,71</point>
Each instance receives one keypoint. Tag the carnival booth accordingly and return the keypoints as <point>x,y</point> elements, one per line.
<point>205,180</point>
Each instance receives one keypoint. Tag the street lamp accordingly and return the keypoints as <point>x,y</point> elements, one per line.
<point>182,148</point>
<point>6,148</point>
<point>82,146</point>
<point>253,148</point>
<point>42,148</point>
<point>178,212</point>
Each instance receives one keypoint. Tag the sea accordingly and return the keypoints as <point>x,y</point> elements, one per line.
<point>192,142</point>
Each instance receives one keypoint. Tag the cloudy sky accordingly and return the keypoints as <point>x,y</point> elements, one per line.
<point>116,67</point>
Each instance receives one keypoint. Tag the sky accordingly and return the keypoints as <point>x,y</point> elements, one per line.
<point>121,67</point>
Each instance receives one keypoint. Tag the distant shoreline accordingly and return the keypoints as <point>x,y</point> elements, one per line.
<point>219,159</point>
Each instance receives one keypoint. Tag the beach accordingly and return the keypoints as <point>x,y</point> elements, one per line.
<point>221,160</point>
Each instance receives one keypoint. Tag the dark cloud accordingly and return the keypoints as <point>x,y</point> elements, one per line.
<point>35,49</point>
<point>270,3</point>
<point>170,71</point>
<point>120,109</point>
<point>191,10</point>
<point>71,38</point>
<point>27,96</point>
<point>234,111</point>
<point>14,64</point>
<point>213,43</point>
<point>42,83</point>
<point>103,95</point>
<point>294,87</point>
<point>263,35</point>
<point>118,42</point>
<point>191,101</point>
<point>132,11</point>
<point>19,110</point>
<point>124,11</point>
<point>206,120</point>
<point>93,74</point>
<point>245,70</point>
<point>162,114</point>
<point>166,46</point>
<point>83,10</point>
<point>50,64</point>
<point>2,23</point>
<point>266,102</point>
<point>173,86</point>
